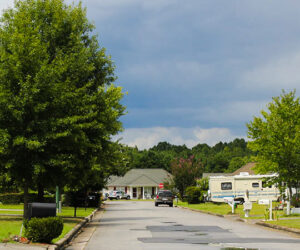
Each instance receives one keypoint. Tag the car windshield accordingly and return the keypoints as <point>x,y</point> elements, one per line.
<point>165,194</point>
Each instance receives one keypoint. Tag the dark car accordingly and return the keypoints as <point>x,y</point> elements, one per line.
<point>164,197</point>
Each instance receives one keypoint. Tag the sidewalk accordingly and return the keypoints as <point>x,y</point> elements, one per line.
<point>82,238</point>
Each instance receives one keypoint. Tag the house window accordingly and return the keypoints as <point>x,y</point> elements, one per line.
<point>226,186</point>
<point>255,184</point>
<point>115,188</point>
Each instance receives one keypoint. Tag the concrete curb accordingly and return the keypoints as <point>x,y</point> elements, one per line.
<point>69,236</point>
<point>200,211</point>
<point>260,223</point>
<point>282,228</point>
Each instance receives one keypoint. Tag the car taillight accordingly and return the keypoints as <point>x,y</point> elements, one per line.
<point>157,196</point>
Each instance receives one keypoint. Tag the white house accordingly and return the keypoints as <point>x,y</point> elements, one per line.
<point>139,183</point>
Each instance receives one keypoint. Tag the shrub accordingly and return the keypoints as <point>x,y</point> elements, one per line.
<point>43,229</point>
<point>194,195</point>
<point>17,198</point>
<point>295,201</point>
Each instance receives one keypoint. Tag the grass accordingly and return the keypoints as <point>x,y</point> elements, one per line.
<point>11,206</point>
<point>11,226</point>
<point>66,211</point>
<point>69,224</point>
<point>257,211</point>
<point>293,223</point>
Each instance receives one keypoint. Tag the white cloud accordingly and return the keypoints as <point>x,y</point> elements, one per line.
<point>4,4</point>
<point>278,73</point>
<point>145,138</point>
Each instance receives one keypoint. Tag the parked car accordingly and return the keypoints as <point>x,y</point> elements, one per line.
<point>118,195</point>
<point>164,197</point>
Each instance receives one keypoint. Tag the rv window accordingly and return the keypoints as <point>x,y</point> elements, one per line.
<point>226,185</point>
<point>255,184</point>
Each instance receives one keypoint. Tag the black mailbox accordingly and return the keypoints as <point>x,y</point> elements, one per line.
<point>40,210</point>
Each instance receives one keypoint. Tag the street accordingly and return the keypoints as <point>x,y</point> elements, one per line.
<point>134,225</point>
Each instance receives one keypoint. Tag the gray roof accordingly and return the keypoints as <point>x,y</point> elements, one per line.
<point>141,177</point>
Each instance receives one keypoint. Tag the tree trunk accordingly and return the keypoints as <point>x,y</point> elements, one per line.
<point>75,208</point>
<point>26,196</point>
<point>40,192</point>
<point>288,207</point>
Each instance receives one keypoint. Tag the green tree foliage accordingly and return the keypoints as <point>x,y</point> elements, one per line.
<point>58,107</point>
<point>185,172</point>
<point>194,195</point>
<point>223,157</point>
<point>276,139</point>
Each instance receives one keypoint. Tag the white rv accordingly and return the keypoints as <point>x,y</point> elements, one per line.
<point>236,186</point>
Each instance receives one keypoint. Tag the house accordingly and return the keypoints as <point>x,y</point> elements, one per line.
<point>139,183</point>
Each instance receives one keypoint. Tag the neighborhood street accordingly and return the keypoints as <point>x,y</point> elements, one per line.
<point>135,225</point>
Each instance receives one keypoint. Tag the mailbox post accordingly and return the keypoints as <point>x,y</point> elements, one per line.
<point>231,202</point>
<point>247,204</point>
<point>267,203</point>
<point>247,208</point>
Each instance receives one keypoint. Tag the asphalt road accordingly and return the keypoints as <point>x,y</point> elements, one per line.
<point>135,225</point>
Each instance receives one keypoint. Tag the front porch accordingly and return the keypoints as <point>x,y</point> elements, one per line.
<point>143,192</point>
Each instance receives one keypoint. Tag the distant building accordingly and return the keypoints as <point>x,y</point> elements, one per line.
<point>139,183</point>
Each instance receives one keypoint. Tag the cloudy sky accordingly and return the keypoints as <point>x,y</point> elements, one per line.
<point>197,71</point>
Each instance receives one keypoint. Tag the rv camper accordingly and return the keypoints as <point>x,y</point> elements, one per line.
<point>236,186</point>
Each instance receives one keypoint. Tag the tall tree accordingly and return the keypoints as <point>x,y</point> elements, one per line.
<point>185,172</point>
<point>58,107</point>
<point>276,139</point>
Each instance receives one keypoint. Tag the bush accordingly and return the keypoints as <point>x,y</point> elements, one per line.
<point>17,198</point>
<point>295,201</point>
<point>194,195</point>
<point>43,230</point>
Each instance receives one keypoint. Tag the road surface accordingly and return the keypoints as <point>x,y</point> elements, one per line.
<point>139,225</point>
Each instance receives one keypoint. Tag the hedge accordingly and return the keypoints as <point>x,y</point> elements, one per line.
<point>17,198</point>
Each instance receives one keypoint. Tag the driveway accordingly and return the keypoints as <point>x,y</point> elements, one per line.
<point>135,225</point>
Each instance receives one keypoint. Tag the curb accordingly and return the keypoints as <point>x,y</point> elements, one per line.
<point>282,228</point>
<point>203,212</point>
<point>69,236</point>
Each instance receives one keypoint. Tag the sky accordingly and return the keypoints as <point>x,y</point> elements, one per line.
<point>196,71</point>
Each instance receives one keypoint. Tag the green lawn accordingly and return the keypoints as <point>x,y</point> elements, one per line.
<point>9,226</point>
<point>10,206</point>
<point>12,225</point>
<point>292,223</point>
<point>256,212</point>
<point>66,211</point>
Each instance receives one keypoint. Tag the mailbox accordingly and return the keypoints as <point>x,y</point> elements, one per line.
<point>41,210</point>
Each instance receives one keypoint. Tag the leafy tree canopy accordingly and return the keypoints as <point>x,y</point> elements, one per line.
<point>276,138</point>
<point>58,107</point>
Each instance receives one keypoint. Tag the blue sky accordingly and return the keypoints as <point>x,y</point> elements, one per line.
<point>197,71</point>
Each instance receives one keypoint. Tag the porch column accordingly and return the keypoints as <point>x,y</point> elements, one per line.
<point>130,192</point>
<point>155,190</point>
<point>143,193</point>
